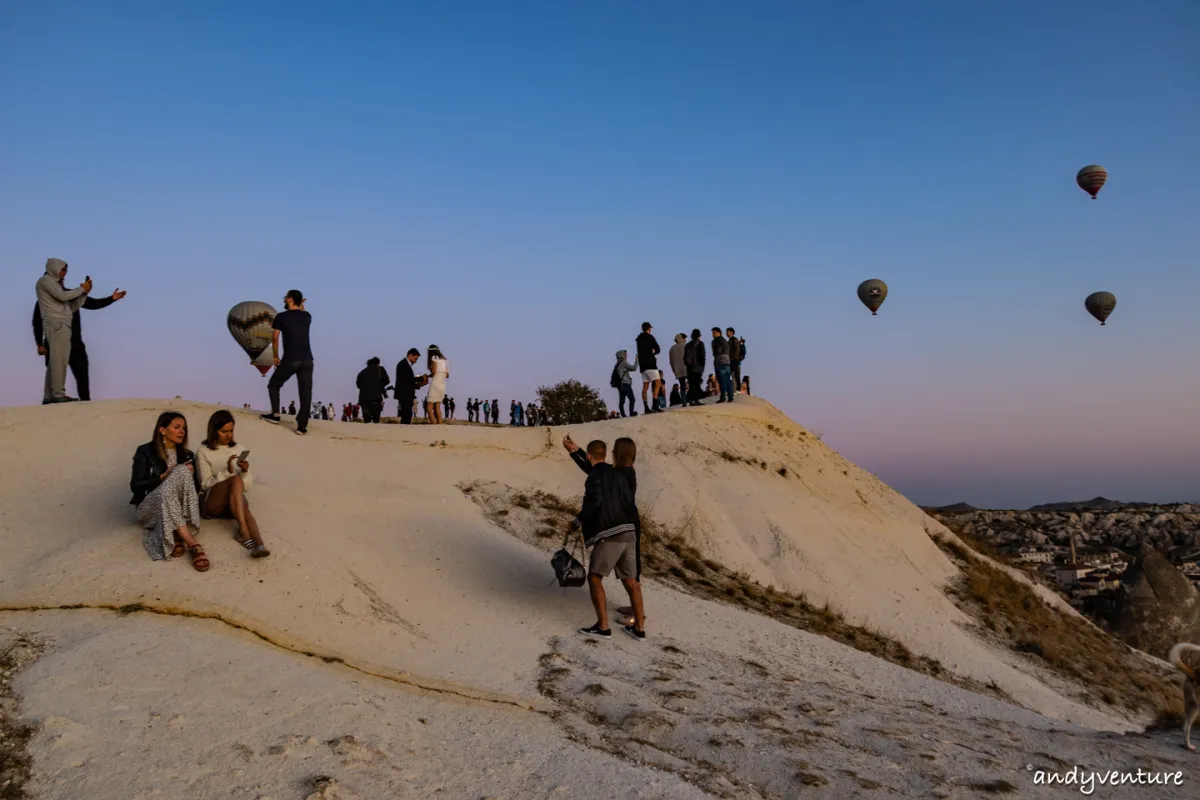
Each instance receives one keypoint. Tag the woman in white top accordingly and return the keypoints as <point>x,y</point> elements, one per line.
<point>439,369</point>
<point>224,481</point>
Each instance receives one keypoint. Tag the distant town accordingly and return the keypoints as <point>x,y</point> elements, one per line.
<point>1083,550</point>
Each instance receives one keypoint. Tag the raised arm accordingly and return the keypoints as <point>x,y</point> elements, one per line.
<point>63,295</point>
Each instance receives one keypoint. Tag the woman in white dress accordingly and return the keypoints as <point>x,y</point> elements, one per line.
<point>439,370</point>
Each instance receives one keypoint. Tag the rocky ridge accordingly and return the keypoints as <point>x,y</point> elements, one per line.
<point>1164,527</point>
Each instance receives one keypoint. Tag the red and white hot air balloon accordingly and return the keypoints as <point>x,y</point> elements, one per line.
<point>250,325</point>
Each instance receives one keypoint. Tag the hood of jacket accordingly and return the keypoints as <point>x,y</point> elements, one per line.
<point>622,355</point>
<point>54,268</point>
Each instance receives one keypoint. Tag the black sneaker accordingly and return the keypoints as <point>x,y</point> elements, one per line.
<point>271,418</point>
<point>595,631</point>
<point>635,633</point>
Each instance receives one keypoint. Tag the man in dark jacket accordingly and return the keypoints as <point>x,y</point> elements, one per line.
<point>694,359</point>
<point>609,519</point>
<point>79,358</point>
<point>406,385</point>
<point>647,362</point>
<point>720,352</point>
<point>735,360</point>
<point>372,383</point>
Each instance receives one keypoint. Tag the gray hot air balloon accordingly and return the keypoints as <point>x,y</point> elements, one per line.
<point>872,293</point>
<point>1100,305</point>
<point>1091,178</point>
<point>250,325</point>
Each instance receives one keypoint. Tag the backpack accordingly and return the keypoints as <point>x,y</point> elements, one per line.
<point>615,380</point>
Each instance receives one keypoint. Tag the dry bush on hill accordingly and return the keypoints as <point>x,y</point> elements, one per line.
<point>1104,669</point>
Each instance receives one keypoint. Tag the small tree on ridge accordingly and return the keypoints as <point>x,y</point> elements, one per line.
<point>571,403</point>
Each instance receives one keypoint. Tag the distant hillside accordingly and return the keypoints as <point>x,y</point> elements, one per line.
<point>956,508</point>
<point>1095,504</point>
<point>1172,529</point>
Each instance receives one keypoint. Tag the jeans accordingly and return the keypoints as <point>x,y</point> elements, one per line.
<point>725,380</point>
<point>303,370</point>
<point>625,390</point>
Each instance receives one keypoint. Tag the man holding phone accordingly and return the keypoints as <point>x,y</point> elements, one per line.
<point>406,385</point>
<point>58,305</point>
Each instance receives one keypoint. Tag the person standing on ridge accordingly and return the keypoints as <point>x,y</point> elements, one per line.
<point>495,411</point>
<point>371,392</point>
<point>406,387</point>
<point>675,356</point>
<point>292,325</point>
<point>720,350</point>
<point>735,360</point>
<point>694,359</point>
<point>79,358</point>
<point>647,360</point>
<point>58,306</point>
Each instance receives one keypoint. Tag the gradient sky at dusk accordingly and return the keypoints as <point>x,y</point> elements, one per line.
<point>523,183</point>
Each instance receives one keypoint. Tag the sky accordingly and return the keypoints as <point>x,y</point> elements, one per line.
<point>525,183</point>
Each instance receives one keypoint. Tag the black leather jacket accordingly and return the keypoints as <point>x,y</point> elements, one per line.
<point>148,470</point>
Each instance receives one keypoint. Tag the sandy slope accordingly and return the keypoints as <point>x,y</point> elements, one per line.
<point>382,561</point>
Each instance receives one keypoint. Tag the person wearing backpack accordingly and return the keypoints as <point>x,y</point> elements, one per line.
<point>622,381</point>
<point>694,358</point>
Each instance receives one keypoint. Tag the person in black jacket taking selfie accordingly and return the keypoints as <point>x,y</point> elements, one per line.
<point>163,483</point>
<point>611,527</point>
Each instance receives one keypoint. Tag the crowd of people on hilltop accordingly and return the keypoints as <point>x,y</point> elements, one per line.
<point>687,359</point>
<point>174,489</point>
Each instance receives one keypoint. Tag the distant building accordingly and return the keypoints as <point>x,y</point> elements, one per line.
<point>1068,575</point>
<point>1029,555</point>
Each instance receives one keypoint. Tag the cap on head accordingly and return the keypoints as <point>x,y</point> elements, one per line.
<point>646,326</point>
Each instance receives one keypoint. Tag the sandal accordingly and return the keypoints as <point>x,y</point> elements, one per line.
<point>199,560</point>
<point>179,550</point>
<point>247,542</point>
<point>258,550</point>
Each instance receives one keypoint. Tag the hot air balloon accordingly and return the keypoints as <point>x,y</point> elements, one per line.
<point>1091,178</point>
<point>250,325</point>
<point>1100,305</point>
<point>872,293</point>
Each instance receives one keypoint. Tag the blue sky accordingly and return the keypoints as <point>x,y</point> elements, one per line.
<point>525,183</point>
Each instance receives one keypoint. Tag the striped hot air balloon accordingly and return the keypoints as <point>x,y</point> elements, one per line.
<point>250,325</point>
<point>872,293</point>
<point>1100,305</point>
<point>1091,178</point>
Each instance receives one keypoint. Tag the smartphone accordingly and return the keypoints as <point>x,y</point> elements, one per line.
<point>243,455</point>
<point>87,278</point>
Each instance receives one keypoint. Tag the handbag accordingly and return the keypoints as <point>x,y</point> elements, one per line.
<point>567,569</point>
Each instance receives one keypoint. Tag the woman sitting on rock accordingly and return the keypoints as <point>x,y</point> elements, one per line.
<point>164,490</point>
<point>224,481</point>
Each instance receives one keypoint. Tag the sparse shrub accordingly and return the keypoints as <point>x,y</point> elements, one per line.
<point>521,501</point>
<point>783,472</point>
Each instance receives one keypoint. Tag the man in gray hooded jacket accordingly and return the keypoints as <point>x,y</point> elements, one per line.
<point>58,305</point>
